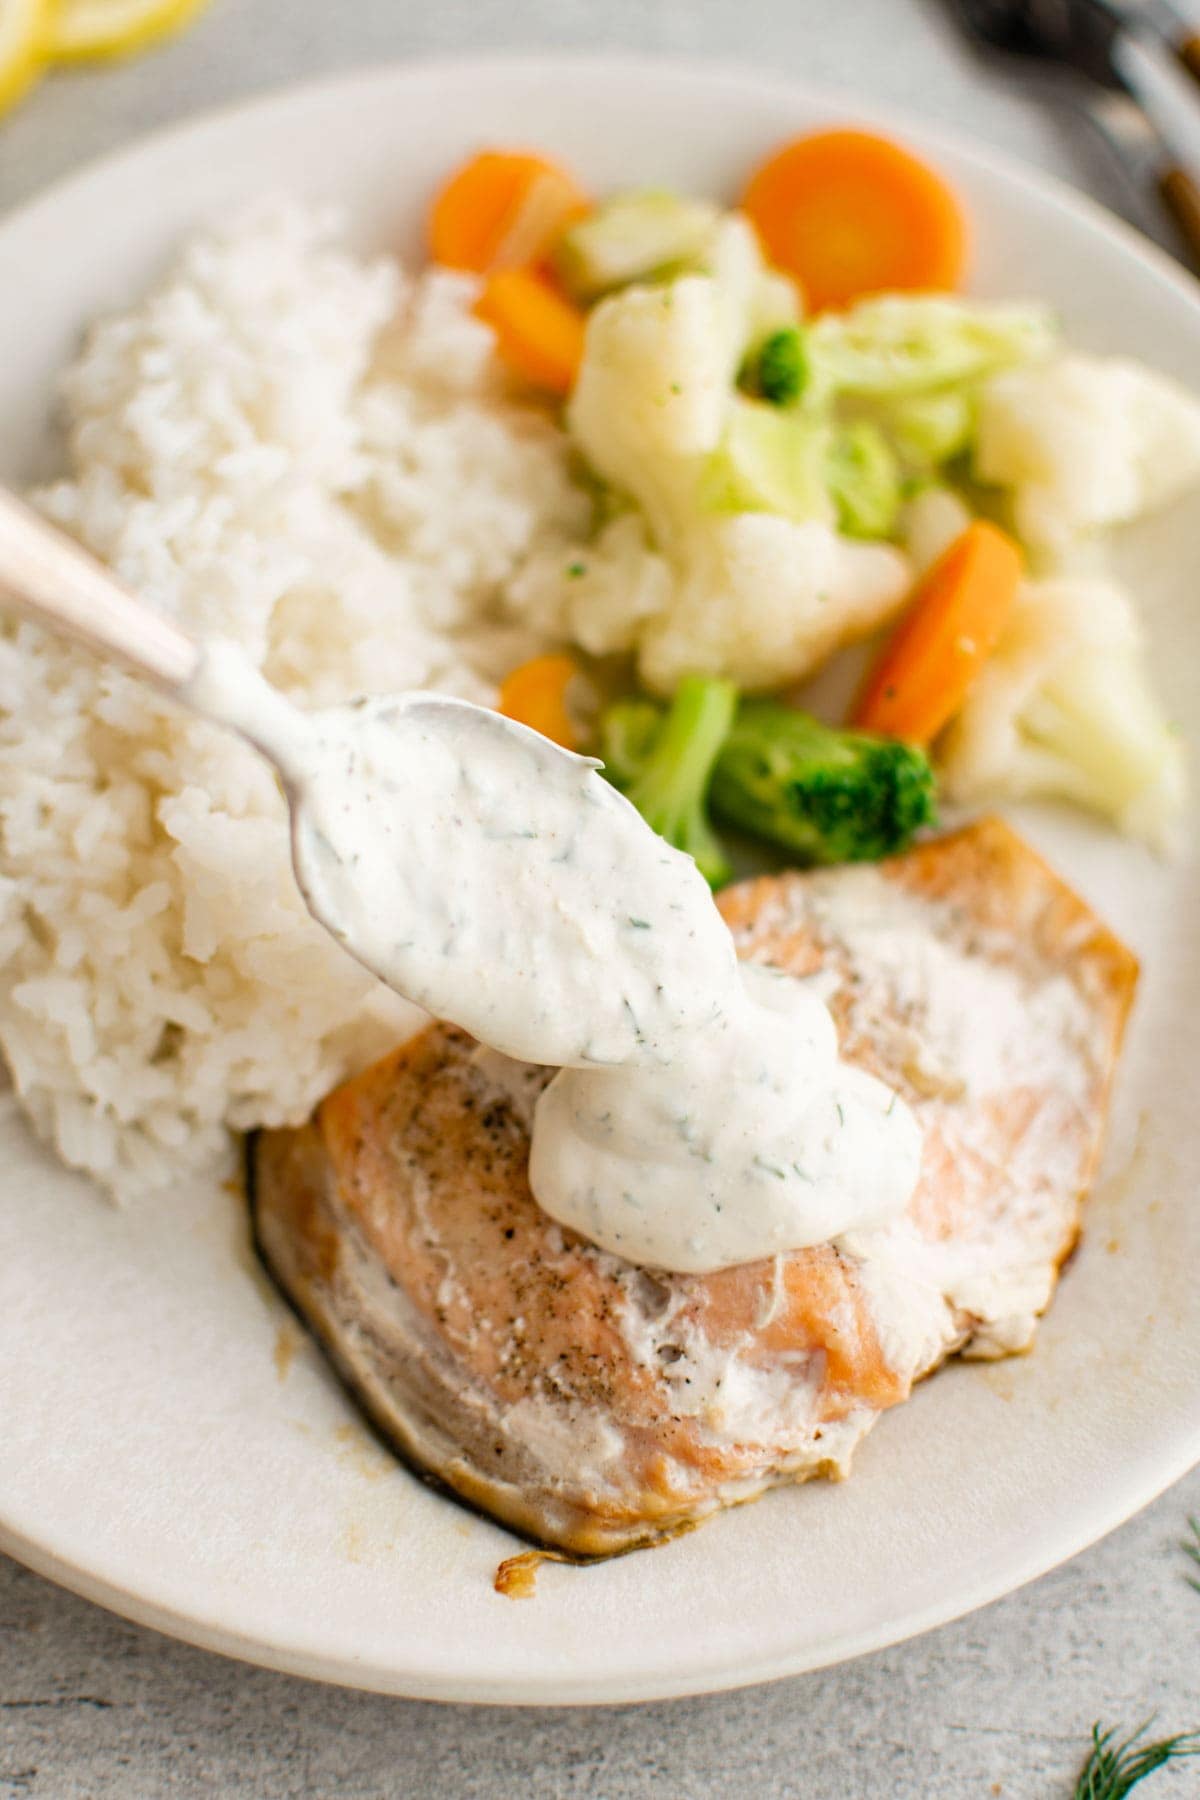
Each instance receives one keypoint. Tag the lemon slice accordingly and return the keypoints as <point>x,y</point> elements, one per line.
<point>22,47</point>
<point>80,29</point>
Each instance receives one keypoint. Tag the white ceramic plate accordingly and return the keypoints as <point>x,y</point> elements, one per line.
<point>169,1446</point>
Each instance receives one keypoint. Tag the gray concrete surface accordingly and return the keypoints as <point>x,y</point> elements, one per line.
<point>1001,1704</point>
<point>998,1705</point>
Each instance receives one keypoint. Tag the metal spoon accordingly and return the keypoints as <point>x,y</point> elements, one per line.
<point>426,833</point>
<point>1121,84</point>
<point>351,818</point>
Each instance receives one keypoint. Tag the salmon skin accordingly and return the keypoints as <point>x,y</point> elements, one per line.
<point>593,1406</point>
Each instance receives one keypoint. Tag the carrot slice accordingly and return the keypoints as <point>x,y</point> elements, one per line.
<point>535,694</point>
<point>850,214</point>
<point>538,331</point>
<point>954,623</point>
<point>502,208</point>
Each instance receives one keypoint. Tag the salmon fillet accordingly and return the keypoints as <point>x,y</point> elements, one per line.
<point>594,1406</point>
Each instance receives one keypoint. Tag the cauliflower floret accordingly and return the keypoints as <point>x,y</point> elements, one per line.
<point>1064,707</point>
<point>755,597</point>
<point>652,393</point>
<point>930,523</point>
<point>758,300</point>
<point>597,595</point>
<point>621,583</point>
<point>1085,442</point>
<point>763,600</point>
<point>657,382</point>
<point>774,305</point>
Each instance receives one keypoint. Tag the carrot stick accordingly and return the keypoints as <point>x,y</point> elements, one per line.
<point>538,331</point>
<point>535,694</point>
<point>501,209</point>
<point>850,214</point>
<point>953,625</point>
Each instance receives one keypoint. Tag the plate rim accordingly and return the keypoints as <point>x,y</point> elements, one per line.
<point>1143,1481</point>
<point>563,1689</point>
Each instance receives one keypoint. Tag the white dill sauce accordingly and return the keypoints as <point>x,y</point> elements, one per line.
<point>701,1116</point>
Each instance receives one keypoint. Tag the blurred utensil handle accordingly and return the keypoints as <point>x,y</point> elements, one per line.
<point>1153,184</point>
<point>1181,197</point>
<point>1187,49</point>
<point>1154,74</point>
<point>1167,20</point>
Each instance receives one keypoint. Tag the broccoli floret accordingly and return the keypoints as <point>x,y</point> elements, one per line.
<point>627,734</point>
<point>827,795</point>
<point>778,369</point>
<point>663,763</point>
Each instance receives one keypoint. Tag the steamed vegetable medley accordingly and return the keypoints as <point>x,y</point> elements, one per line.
<point>800,437</point>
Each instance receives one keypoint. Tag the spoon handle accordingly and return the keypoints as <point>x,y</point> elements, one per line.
<point>1187,49</point>
<point>49,577</point>
<point>1181,196</point>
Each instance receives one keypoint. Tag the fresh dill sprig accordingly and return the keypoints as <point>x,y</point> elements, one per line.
<point>1191,1547</point>
<point>1114,1768</point>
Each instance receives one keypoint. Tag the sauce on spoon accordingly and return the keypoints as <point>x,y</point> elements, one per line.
<point>701,1116</point>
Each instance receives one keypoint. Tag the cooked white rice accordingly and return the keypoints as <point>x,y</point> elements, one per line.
<point>319,458</point>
